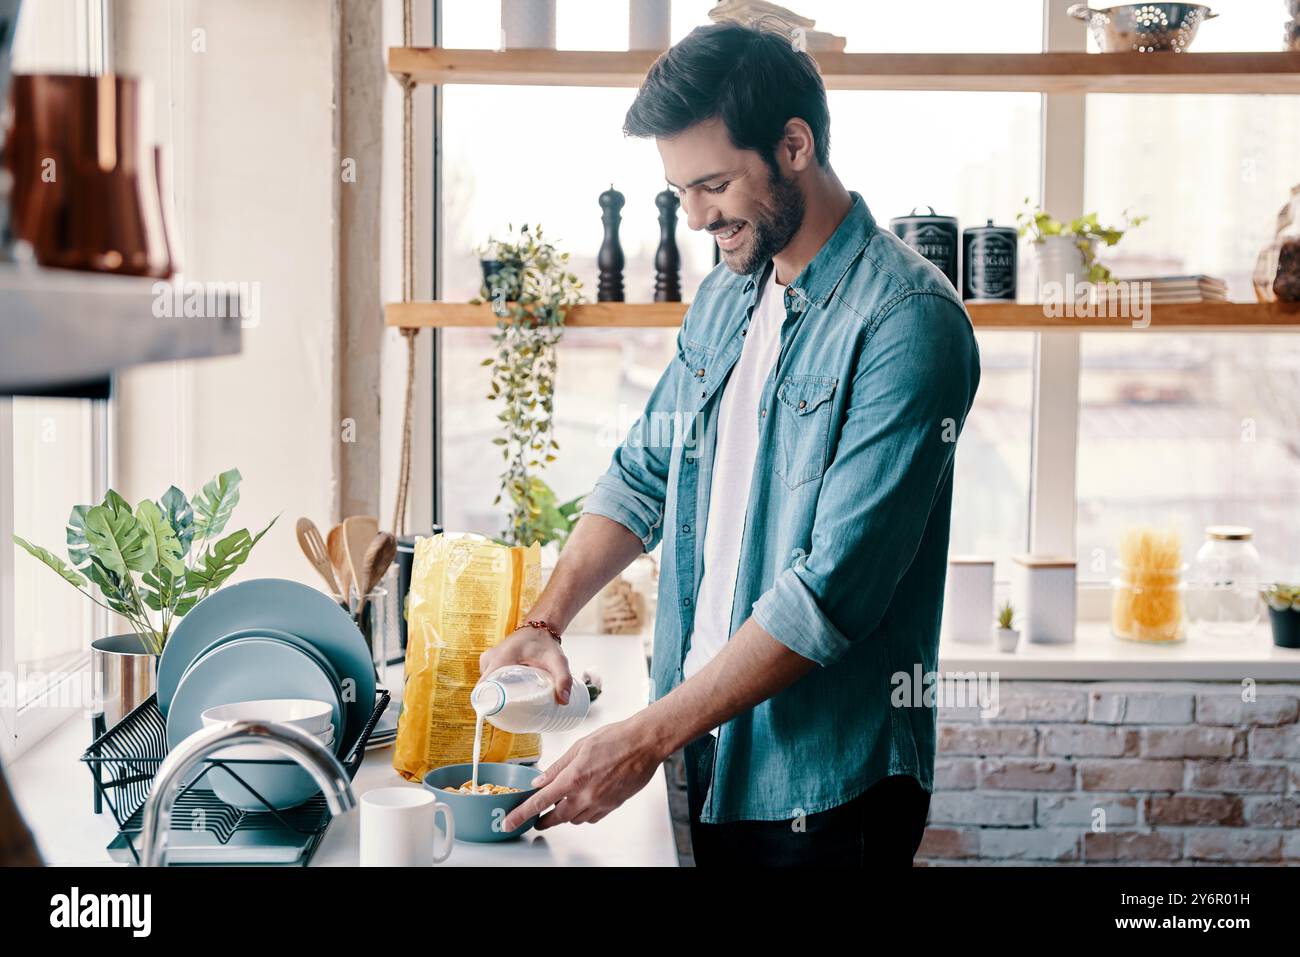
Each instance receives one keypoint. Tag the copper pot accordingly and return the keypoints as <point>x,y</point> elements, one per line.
<point>86,192</point>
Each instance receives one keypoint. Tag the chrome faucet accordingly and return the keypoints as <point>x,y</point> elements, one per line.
<point>290,741</point>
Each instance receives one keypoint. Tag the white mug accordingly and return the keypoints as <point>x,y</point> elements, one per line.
<point>398,829</point>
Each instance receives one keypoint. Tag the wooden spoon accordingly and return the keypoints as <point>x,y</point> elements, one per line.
<point>339,559</point>
<point>358,532</point>
<point>379,555</point>
<point>313,546</point>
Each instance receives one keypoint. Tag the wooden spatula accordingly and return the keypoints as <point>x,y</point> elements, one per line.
<point>358,532</point>
<point>379,555</point>
<point>339,560</point>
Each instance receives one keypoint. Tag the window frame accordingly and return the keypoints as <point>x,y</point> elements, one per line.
<point>24,724</point>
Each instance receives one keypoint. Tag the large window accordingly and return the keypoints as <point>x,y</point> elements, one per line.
<point>53,452</point>
<point>1172,429</point>
<point>1192,430</point>
<point>900,150</point>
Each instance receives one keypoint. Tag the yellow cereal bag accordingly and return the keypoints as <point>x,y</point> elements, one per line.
<point>467,593</point>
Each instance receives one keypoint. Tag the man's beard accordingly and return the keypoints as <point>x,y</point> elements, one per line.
<point>774,225</point>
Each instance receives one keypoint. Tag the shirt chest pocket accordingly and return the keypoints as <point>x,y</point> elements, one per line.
<point>696,360</point>
<point>802,430</point>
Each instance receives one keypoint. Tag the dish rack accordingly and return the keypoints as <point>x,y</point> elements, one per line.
<point>124,760</point>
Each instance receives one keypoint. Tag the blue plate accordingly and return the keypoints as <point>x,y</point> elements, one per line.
<point>285,606</point>
<point>249,669</point>
<point>340,714</point>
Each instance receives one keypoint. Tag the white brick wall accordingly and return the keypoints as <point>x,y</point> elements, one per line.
<point>1070,773</point>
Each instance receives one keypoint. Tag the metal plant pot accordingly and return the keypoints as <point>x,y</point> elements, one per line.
<point>125,674</point>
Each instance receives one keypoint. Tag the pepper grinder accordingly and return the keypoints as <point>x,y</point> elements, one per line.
<point>668,262</point>
<point>610,258</point>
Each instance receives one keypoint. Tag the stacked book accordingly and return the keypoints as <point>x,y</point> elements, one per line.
<point>1170,289</point>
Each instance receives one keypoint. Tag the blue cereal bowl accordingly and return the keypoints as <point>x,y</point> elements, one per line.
<point>479,816</point>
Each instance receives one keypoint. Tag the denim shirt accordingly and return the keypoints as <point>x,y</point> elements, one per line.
<point>844,549</point>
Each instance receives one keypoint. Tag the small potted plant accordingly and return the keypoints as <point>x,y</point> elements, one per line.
<point>531,292</point>
<point>1284,613</point>
<point>1004,630</point>
<point>1070,248</point>
<point>491,259</point>
<point>151,565</point>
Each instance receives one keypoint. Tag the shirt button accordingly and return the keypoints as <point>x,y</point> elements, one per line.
<point>763,414</point>
<point>803,404</point>
<point>686,528</point>
<point>703,394</point>
<point>686,602</point>
<point>699,373</point>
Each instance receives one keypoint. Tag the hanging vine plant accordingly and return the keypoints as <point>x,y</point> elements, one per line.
<point>531,290</point>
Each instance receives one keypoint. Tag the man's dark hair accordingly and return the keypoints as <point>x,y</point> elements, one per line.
<point>754,80</point>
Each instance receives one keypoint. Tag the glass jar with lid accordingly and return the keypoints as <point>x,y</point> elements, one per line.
<point>1225,593</point>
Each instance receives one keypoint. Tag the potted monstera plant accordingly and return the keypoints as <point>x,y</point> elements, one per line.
<point>150,564</point>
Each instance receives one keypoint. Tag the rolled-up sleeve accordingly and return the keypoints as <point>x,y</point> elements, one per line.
<point>634,489</point>
<point>914,385</point>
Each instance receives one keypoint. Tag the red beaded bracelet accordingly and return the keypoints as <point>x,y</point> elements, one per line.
<point>544,624</point>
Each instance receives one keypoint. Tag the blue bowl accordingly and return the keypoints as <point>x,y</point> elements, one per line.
<point>479,816</point>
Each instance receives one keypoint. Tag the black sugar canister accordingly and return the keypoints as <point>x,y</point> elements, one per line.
<point>933,236</point>
<point>988,263</point>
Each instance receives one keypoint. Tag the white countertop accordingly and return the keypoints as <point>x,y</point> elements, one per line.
<point>637,834</point>
<point>53,789</point>
<point>1096,655</point>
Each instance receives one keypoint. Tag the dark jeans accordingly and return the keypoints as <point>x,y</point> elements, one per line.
<point>882,827</point>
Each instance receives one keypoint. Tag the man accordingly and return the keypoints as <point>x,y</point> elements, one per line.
<point>826,370</point>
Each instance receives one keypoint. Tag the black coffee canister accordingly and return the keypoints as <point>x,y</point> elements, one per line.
<point>988,263</point>
<point>405,562</point>
<point>934,237</point>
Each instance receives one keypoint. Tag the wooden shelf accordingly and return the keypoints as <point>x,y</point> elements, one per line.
<point>66,332</point>
<point>597,315</point>
<point>1191,317</point>
<point>1181,317</point>
<point>1264,72</point>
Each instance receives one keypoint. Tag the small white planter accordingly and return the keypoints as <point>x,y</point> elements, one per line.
<point>1006,638</point>
<point>1061,266</point>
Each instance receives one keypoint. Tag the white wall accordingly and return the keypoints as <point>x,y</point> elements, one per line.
<point>244,98</point>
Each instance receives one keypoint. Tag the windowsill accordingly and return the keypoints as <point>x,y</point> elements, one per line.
<point>1095,655</point>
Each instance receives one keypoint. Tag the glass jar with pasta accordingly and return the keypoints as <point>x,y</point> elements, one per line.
<point>1148,598</point>
<point>1149,604</point>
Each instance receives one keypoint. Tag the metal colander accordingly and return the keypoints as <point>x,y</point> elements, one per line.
<point>1143,27</point>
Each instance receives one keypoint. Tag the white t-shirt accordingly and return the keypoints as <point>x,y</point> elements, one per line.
<point>733,467</point>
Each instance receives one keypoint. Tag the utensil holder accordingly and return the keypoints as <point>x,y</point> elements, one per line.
<point>377,622</point>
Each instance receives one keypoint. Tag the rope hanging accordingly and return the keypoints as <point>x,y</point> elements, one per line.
<point>408,279</point>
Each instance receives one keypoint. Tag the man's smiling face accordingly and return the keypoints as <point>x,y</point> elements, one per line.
<point>750,211</point>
